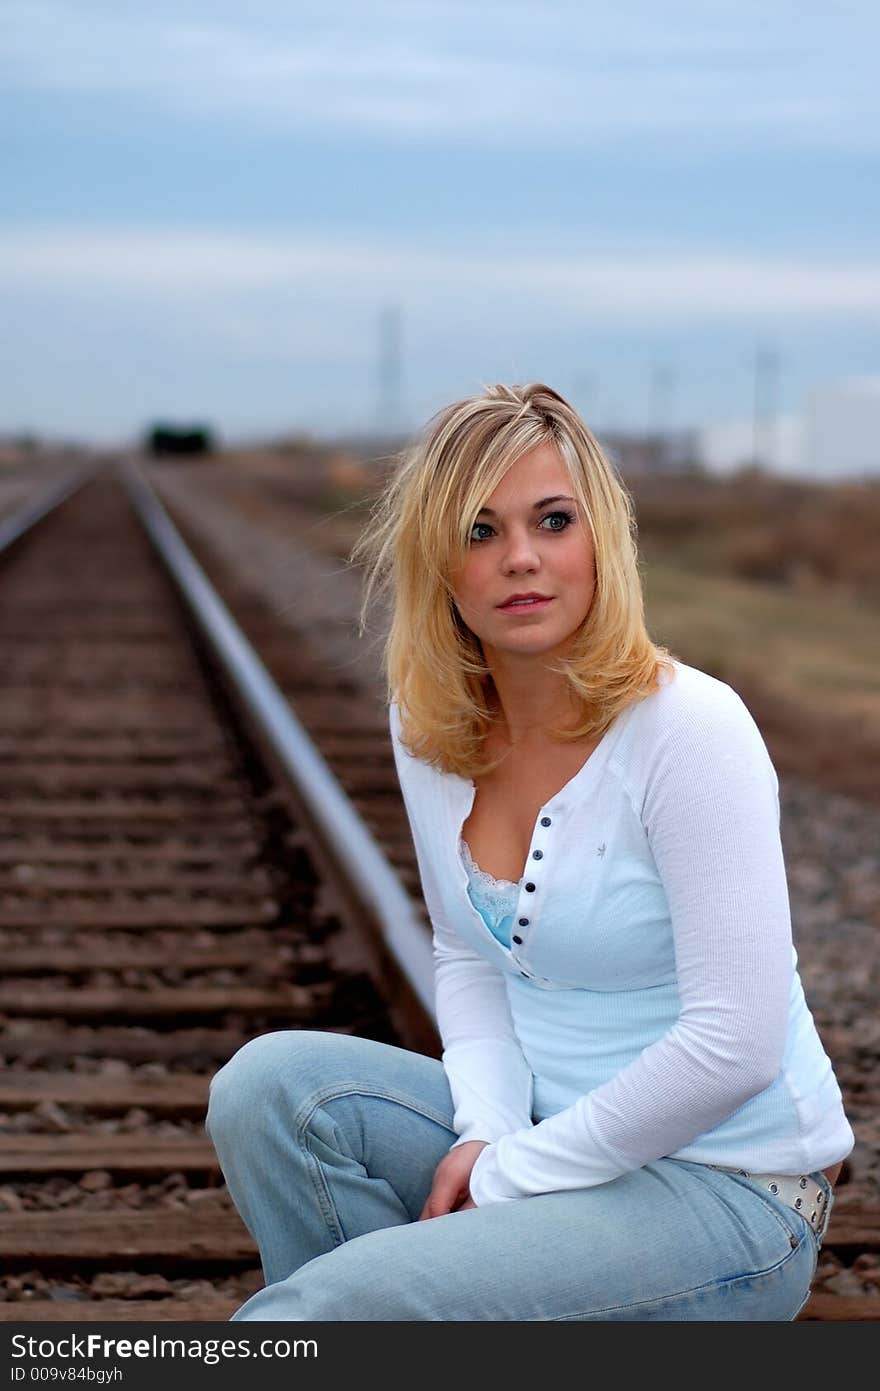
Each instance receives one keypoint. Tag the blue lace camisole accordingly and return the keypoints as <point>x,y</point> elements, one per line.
<point>494,899</point>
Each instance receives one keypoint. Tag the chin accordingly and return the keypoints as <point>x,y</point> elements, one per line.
<point>530,649</point>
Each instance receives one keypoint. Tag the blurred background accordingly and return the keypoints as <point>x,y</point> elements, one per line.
<point>282,237</point>
<point>332,218</point>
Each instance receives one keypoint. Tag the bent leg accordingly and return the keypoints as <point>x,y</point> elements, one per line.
<point>672,1241</point>
<point>323,1137</point>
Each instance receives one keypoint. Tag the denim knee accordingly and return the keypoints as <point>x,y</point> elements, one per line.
<point>240,1091</point>
<point>276,1070</point>
<point>353,1282</point>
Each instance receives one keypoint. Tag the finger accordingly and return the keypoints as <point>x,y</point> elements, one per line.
<point>434,1207</point>
<point>447,1195</point>
<point>443,1197</point>
<point>428,1209</point>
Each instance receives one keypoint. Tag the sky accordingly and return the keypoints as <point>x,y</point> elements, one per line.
<point>214,211</point>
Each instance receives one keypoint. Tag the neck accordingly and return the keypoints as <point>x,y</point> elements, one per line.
<point>529,702</point>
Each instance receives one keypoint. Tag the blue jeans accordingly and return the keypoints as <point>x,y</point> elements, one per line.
<point>329,1144</point>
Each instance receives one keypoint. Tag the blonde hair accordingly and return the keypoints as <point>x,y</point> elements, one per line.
<point>417,533</point>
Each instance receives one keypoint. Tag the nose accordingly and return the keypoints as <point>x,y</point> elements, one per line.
<point>519,552</point>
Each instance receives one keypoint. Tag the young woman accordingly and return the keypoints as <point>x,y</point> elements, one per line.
<point>634,1117</point>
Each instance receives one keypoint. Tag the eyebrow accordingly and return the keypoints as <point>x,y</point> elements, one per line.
<point>543,502</point>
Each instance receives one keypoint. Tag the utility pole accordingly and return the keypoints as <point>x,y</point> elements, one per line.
<point>662,387</point>
<point>767,363</point>
<point>389,373</point>
<point>585,399</point>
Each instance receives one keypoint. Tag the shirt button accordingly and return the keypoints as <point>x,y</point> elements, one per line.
<point>518,941</point>
<point>523,922</point>
<point>545,820</point>
<point>537,854</point>
<point>530,888</point>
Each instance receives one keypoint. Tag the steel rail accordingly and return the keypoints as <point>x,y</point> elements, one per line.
<point>313,782</point>
<point>20,521</point>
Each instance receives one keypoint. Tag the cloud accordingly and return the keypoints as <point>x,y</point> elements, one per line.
<point>668,287</point>
<point>579,76</point>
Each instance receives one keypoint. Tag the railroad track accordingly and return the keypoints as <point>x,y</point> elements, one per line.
<point>162,900</point>
<point>167,893</point>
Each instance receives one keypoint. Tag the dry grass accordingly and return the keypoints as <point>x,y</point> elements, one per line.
<point>802,537</point>
<point>774,587</point>
<point>807,668</point>
<point>820,652</point>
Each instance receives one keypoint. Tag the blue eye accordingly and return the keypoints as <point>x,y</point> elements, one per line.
<point>567,519</point>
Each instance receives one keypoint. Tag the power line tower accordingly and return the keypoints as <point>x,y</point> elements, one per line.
<point>767,364</point>
<point>585,391</point>
<point>662,388</point>
<point>388,416</point>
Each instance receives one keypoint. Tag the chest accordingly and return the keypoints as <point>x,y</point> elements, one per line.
<point>597,916</point>
<point>507,801</point>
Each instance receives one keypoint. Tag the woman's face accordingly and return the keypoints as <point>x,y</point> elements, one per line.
<point>518,547</point>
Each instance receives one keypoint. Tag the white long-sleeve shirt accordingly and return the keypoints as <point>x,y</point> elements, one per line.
<point>650,1003</point>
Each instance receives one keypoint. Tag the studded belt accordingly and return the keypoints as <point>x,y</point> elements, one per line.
<point>800,1191</point>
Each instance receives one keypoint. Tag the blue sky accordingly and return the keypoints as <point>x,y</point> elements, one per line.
<point>207,207</point>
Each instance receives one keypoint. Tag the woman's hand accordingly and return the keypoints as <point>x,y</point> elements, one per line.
<point>450,1191</point>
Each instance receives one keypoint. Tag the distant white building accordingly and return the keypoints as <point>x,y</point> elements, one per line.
<point>842,435</point>
<point>837,436</point>
<point>729,445</point>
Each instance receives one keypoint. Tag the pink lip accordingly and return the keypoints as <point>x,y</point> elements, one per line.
<point>521,607</point>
